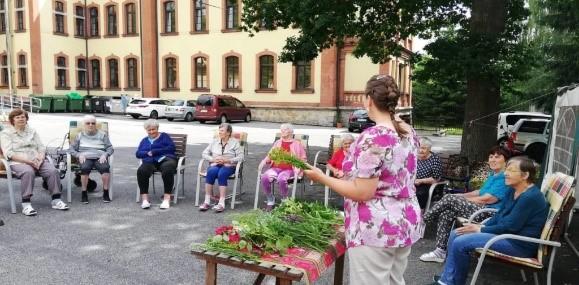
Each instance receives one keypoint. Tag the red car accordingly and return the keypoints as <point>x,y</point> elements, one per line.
<point>220,108</point>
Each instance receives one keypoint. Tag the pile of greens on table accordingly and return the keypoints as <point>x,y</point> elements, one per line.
<point>292,224</point>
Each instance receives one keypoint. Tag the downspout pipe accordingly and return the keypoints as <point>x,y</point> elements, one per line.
<point>87,63</point>
<point>338,84</point>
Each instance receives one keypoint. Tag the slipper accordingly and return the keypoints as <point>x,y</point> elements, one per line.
<point>204,207</point>
<point>218,208</point>
<point>29,211</point>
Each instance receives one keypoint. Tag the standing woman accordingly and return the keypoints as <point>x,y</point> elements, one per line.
<point>157,151</point>
<point>382,215</point>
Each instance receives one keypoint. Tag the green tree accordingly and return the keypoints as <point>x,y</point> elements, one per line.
<point>487,42</point>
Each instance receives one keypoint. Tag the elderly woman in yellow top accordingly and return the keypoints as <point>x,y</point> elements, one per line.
<point>22,147</point>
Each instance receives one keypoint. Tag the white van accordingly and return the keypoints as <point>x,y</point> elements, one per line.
<point>508,120</point>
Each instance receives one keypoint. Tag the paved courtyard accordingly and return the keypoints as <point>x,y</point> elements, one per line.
<point>118,243</point>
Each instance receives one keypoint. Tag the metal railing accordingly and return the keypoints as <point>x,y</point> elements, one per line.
<point>8,103</point>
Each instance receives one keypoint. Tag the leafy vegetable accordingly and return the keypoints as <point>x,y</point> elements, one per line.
<point>279,156</point>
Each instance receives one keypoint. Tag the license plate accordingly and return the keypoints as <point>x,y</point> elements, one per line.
<point>362,120</point>
<point>203,111</point>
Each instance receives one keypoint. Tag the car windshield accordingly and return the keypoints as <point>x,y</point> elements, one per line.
<point>205,101</point>
<point>360,113</point>
<point>178,103</point>
<point>138,101</point>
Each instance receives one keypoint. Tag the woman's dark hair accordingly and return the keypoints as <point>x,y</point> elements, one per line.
<point>15,113</point>
<point>500,151</point>
<point>383,91</point>
<point>526,165</point>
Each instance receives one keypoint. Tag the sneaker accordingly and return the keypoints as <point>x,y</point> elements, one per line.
<point>106,198</point>
<point>219,208</point>
<point>432,257</point>
<point>145,204</point>
<point>84,198</point>
<point>28,211</point>
<point>165,205</point>
<point>204,207</point>
<point>59,205</point>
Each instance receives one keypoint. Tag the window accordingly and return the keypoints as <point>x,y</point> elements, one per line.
<point>113,73</point>
<point>232,68</point>
<point>95,66</point>
<point>200,16</point>
<point>19,15</point>
<point>4,70</point>
<point>132,73</point>
<point>201,81</point>
<point>59,18</point>
<point>171,73</point>
<point>81,73</point>
<point>231,17</point>
<point>22,74</point>
<point>79,21</point>
<point>266,72</point>
<point>94,21</point>
<point>2,18</point>
<point>170,17</point>
<point>111,20</point>
<point>61,72</point>
<point>303,75</point>
<point>130,19</point>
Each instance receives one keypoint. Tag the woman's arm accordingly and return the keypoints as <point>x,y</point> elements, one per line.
<point>238,153</point>
<point>207,155</point>
<point>165,146</point>
<point>485,199</point>
<point>141,150</point>
<point>359,189</point>
<point>474,193</point>
<point>108,145</point>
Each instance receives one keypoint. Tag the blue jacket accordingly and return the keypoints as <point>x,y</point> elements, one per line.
<point>163,146</point>
<point>523,216</point>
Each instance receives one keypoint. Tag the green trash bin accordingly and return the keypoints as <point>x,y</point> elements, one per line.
<point>59,103</point>
<point>42,103</point>
<point>75,102</point>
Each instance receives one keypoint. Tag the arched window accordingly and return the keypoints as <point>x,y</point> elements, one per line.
<point>232,69</point>
<point>169,8</point>
<point>95,68</point>
<point>94,21</point>
<point>111,20</point>
<point>79,28</point>
<point>4,67</point>
<point>266,72</point>
<point>201,80</point>
<point>61,72</point>
<point>113,73</point>
<point>171,72</point>
<point>303,75</point>
<point>81,73</point>
<point>132,73</point>
<point>130,19</point>
<point>231,14</point>
<point>200,16</point>
<point>22,71</point>
<point>59,18</point>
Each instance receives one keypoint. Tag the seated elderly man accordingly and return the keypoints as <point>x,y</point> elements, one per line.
<point>92,148</point>
<point>428,171</point>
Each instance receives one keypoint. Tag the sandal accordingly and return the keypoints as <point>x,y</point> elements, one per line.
<point>218,208</point>
<point>204,207</point>
<point>29,211</point>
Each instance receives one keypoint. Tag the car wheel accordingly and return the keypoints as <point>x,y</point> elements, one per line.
<point>248,118</point>
<point>202,121</point>
<point>135,116</point>
<point>188,117</point>
<point>154,115</point>
<point>170,119</point>
<point>536,152</point>
<point>223,119</point>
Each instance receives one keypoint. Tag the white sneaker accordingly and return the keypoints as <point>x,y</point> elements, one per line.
<point>165,205</point>
<point>145,204</point>
<point>432,257</point>
<point>28,211</point>
<point>59,205</point>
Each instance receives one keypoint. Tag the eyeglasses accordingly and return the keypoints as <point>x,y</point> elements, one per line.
<point>90,123</point>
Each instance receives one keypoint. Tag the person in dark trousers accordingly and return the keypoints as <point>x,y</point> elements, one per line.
<point>157,152</point>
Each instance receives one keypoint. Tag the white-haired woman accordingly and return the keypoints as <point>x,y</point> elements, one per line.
<point>428,171</point>
<point>281,172</point>
<point>157,151</point>
<point>92,148</point>
<point>335,162</point>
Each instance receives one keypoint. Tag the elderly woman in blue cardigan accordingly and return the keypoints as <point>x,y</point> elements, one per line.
<point>157,152</point>
<point>524,212</point>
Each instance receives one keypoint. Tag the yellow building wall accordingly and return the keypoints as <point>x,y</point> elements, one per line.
<point>357,72</point>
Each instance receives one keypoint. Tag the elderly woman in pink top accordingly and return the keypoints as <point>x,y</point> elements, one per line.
<point>282,172</point>
<point>382,215</point>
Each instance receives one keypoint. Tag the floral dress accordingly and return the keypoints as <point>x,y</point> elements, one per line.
<point>392,218</point>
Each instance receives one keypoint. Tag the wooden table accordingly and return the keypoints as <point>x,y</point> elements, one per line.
<point>284,275</point>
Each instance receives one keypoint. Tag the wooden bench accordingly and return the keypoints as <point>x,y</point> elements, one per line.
<point>284,275</point>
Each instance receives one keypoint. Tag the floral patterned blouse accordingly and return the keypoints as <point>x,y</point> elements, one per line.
<point>392,218</point>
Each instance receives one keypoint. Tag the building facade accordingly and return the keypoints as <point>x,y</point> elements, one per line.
<point>179,49</point>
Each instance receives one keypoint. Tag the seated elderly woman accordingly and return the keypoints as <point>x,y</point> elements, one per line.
<point>223,154</point>
<point>92,148</point>
<point>335,162</point>
<point>24,150</point>
<point>157,152</point>
<point>523,212</point>
<point>428,171</point>
<point>451,206</point>
<point>282,172</point>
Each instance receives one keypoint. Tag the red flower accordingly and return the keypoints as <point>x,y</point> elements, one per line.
<point>234,237</point>
<point>221,230</point>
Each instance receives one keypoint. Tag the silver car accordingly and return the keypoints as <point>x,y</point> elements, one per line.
<point>530,136</point>
<point>181,110</point>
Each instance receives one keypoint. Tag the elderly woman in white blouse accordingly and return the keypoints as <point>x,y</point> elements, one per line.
<point>223,154</point>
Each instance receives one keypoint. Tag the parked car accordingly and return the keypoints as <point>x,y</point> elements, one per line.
<point>153,108</point>
<point>181,110</point>
<point>508,120</point>
<point>359,121</point>
<point>530,137</point>
<point>220,108</point>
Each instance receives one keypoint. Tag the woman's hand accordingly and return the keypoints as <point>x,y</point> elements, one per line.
<point>468,229</point>
<point>314,173</point>
<point>103,158</point>
<point>81,159</point>
<point>150,153</point>
<point>339,174</point>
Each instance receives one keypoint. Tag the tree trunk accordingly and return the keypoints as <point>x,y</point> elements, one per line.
<point>483,89</point>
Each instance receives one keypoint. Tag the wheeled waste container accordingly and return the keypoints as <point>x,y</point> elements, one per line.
<point>75,102</point>
<point>59,103</point>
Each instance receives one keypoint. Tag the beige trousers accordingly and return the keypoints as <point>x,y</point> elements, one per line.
<point>377,266</point>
